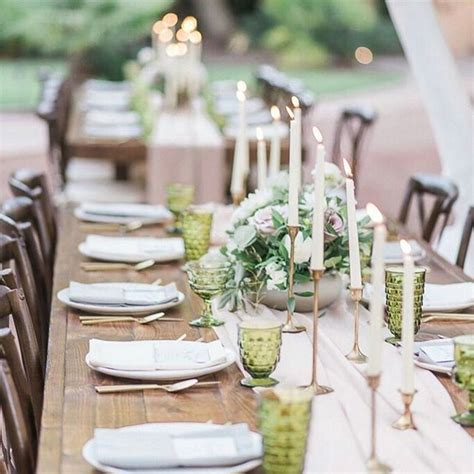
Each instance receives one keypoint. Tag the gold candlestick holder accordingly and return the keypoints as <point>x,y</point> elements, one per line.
<point>290,326</point>
<point>405,422</point>
<point>317,389</point>
<point>373,463</point>
<point>237,198</point>
<point>356,355</point>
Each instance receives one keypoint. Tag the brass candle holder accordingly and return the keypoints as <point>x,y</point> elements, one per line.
<point>237,198</point>
<point>290,326</point>
<point>317,389</point>
<point>356,355</point>
<point>405,422</point>
<point>373,463</point>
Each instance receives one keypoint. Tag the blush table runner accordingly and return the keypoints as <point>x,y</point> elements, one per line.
<point>340,430</point>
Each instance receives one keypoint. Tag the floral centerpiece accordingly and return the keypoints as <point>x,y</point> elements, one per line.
<point>259,242</point>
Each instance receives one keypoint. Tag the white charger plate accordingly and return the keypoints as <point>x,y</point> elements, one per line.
<point>82,215</point>
<point>88,452</point>
<point>157,375</point>
<point>432,367</point>
<point>175,254</point>
<point>63,296</point>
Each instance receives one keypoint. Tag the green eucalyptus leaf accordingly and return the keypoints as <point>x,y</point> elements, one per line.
<point>304,294</point>
<point>245,236</point>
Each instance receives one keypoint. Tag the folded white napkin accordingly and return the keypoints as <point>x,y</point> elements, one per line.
<point>155,355</point>
<point>141,248</point>
<point>126,210</point>
<point>393,252</point>
<point>147,449</point>
<point>448,296</point>
<point>144,295</point>
<point>110,117</point>
<point>116,131</point>
<point>436,352</point>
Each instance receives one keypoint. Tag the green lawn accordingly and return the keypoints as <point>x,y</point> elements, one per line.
<point>19,86</point>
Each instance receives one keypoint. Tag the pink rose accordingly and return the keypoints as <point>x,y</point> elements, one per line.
<point>337,223</point>
<point>262,219</point>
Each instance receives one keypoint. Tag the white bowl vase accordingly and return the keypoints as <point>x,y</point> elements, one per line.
<point>330,288</point>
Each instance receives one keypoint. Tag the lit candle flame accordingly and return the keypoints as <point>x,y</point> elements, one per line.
<point>189,24</point>
<point>374,213</point>
<point>406,248</point>
<point>158,27</point>
<point>318,135</point>
<point>170,19</point>
<point>182,35</point>
<point>347,168</point>
<point>275,111</point>
<point>259,134</point>
<point>195,37</point>
<point>240,96</point>
<point>290,113</point>
<point>295,102</point>
<point>241,86</point>
<point>165,36</point>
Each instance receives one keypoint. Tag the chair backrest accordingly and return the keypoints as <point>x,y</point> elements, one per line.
<point>38,214</point>
<point>16,427</point>
<point>350,136</point>
<point>9,350</point>
<point>27,233</point>
<point>13,250</point>
<point>465,238</point>
<point>442,190</point>
<point>12,306</point>
<point>35,187</point>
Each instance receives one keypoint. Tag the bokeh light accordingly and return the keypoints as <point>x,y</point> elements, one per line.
<point>363,55</point>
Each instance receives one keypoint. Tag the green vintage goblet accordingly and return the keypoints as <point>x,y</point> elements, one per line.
<point>197,225</point>
<point>284,419</point>
<point>178,198</point>
<point>463,375</point>
<point>259,344</point>
<point>394,300</point>
<point>207,281</point>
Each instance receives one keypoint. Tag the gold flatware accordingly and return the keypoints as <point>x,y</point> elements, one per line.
<point>174,387</point>
<point>158,281</point>
<point>111,266</point>
<point>145,320</point>
<point>122,317</point>
<point>427,317</point>
<point>182,337</point>
<point>110,227</point>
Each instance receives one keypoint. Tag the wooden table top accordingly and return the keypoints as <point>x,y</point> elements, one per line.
<point>72,409</point>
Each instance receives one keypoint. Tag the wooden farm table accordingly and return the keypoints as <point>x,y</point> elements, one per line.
<point>72,409</point>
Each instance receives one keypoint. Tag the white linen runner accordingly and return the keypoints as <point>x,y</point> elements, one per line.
<point>340,430</point>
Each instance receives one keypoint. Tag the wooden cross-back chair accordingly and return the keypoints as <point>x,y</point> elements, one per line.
<point>32,184</point>
<point>20,452</point>
<point>13,251</point>
<point>444,193</point>
<point>352,127</point>
<point>26,234</point>
<point>465,238</point>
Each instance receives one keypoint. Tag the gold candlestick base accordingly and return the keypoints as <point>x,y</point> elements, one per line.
<point>237,198</point>
<point>314,386</point>
<point>356,355</point>
<point>290,326</point>
<point>405,422</point>
<point>373,463</point>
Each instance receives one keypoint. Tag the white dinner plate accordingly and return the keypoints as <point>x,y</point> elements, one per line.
<point>88,451</point>
<point>82,215</point>
<point>174,254</point>
<point>432,367</point>
<point>156,375</point>
<point>63,296</point>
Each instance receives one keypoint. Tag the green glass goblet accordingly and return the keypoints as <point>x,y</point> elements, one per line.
<point>178,198</point>
<point>197,225</point>
<point>463,375</point>
<point>284,419</point>
<point>259,344</point>
<point>394,300</point>
<point>207,281</point>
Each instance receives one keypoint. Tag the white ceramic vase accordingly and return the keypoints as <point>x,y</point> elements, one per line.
<point>330,288</point>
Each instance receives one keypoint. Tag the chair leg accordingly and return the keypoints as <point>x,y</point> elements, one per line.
<point>121,171</point>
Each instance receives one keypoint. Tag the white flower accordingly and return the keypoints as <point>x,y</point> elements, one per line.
<point>279,180</point>
<point>302,247</point>
<point>254,201</point>
<point>277,276</point>
<point>332,175</point>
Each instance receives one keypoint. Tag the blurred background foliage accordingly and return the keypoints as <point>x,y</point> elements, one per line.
<point>105,33</point>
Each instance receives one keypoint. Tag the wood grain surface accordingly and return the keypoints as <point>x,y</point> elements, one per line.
<point>72,409</point>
